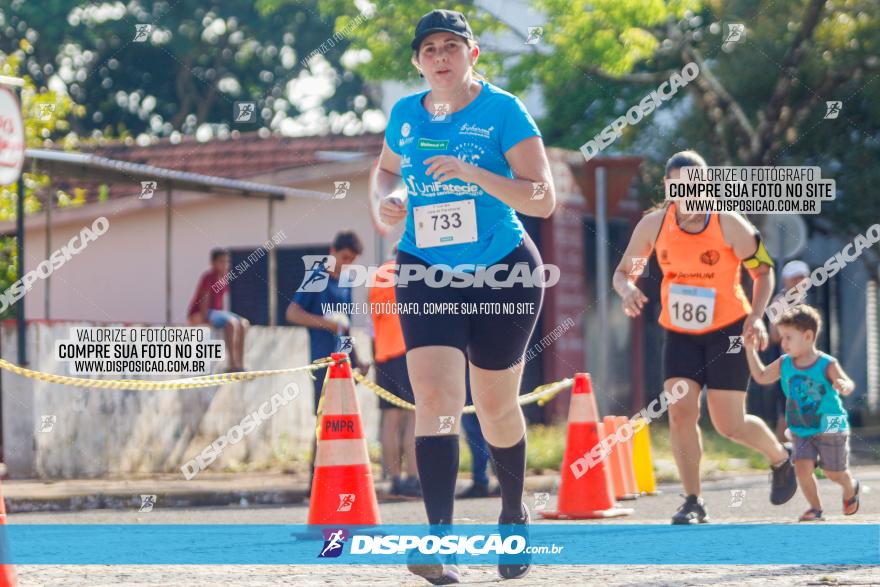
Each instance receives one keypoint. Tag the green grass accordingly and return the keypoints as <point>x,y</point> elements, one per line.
<point>716,448</point>
<point>546,447</point>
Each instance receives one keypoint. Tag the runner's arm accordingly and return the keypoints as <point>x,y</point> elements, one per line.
<point>641,244</point>
<point>746,243</point>
<point>384,182</point>
<point>742,236</point>
<point>386,175</point>
<point>528,162</point>
<point>839,379</point>
<point>775,337</point>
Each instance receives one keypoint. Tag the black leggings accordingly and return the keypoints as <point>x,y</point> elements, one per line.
<point>491,339</point>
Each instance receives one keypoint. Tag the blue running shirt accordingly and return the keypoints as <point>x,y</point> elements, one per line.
<point>479,134</point>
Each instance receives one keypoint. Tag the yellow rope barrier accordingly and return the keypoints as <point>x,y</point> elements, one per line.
<point>541,394</point>
<point>142,385</point>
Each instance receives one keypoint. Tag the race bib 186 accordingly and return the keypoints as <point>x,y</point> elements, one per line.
<point>691,307</point>
<point>449,223</point>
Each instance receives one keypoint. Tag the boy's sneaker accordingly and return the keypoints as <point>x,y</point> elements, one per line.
<point>433,568</point>
<point>692,511</point>
<point>783,480</point>
<point>396,486</point>
<point>507,568</point>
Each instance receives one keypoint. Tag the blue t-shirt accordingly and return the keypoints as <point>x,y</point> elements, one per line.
<point>479,134</point>
<point>323,342</point>
<point>812,405</point>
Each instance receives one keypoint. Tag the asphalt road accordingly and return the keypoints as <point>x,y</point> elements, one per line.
<point>731,501</point>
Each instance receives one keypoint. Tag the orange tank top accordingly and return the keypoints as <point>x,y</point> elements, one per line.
<point>701,290</point>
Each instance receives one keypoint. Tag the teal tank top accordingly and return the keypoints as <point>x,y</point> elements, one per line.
<point>812,406</point>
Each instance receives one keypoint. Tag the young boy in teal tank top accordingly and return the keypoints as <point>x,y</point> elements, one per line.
<point>813,382</point>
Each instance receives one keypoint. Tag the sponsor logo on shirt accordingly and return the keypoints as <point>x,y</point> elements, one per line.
<point>433,145</point>
<point>690,275</point>
<point>476,131</point>
<point>469,152</point>
<point>437,188</point>
<point>405,129</point>
<point>404,161</point>
<point>710,257</point>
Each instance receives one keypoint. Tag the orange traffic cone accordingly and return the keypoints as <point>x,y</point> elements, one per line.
<point>584,491</point>
<point>342,488</point>
<point>7,572</point>
<point>617,462</point>
<point>626,449</point>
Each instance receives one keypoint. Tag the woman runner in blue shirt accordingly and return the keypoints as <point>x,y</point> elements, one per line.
<point>470,156</point>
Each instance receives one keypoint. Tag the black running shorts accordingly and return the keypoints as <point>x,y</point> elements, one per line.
<point>492,340</point>
<point>710,359</point>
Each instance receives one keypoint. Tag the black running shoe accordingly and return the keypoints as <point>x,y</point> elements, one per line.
<point>692,511</point>
<point>783,480</point>
<point>507,568</point>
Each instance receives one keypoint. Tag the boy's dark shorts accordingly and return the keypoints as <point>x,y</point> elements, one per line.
<point>832,450</point>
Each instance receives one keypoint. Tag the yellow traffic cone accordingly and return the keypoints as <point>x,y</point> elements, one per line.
<point>642,462</point>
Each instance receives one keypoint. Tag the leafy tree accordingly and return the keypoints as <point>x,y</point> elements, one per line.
<point>757,101</point>
<point>46,119</point>
<point>197,59</point>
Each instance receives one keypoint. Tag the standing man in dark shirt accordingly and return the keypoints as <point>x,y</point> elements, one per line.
<point>320,287</point>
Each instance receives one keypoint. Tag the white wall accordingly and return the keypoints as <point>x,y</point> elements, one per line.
<point>101,433</point>
<point>121,276</point>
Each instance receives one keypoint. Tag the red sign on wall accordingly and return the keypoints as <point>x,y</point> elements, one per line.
<point>11,138</point>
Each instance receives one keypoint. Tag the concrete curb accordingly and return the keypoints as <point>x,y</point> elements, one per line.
<point>127,501</point>
<point>202,497</point>
<point>283,491</point>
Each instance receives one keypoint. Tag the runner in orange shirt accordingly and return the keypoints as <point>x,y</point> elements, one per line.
<point>705,312</point>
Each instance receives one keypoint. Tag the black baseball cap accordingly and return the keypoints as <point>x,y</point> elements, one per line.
<point>438,21</point>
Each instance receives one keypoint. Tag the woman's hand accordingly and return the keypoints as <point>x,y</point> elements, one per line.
<point>633,300</point>
<point>754,327</point>
<point>392,208</point>
<point>446,167</point>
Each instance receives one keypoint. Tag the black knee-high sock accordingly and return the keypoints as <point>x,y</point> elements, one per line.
<point>437,460</point>
<point>510,468</point>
